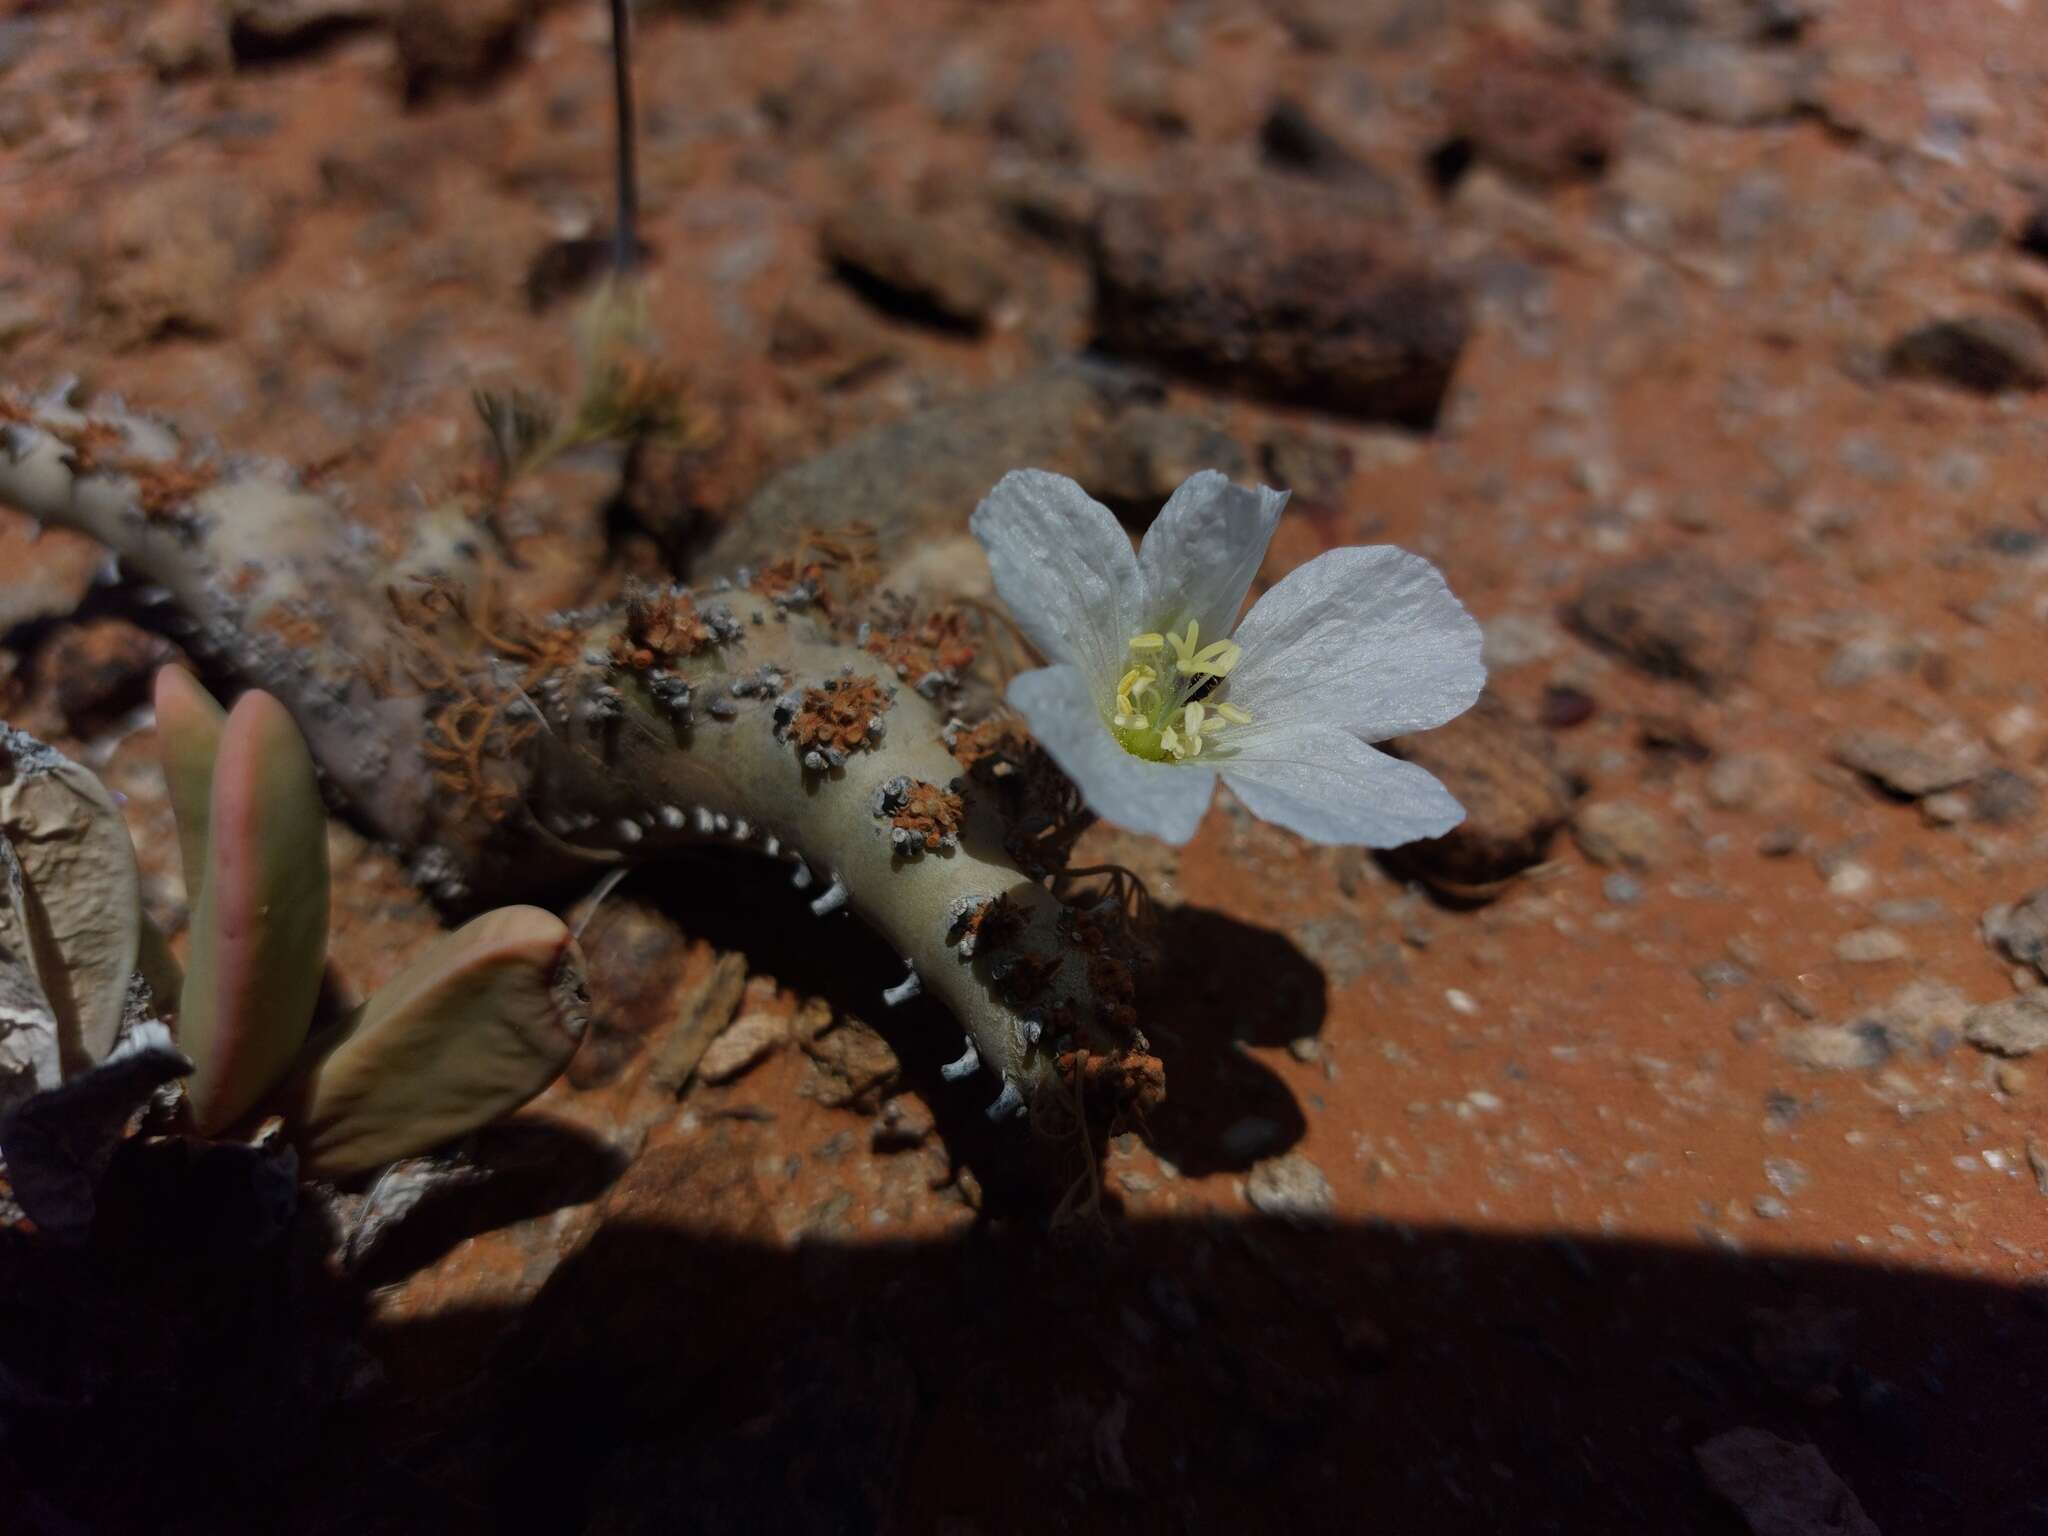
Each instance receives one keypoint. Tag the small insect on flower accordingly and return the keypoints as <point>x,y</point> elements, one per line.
<point>1155,690</point>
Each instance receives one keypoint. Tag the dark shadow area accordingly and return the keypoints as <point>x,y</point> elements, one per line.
<point>903,304</point>
<point>1196,1376</point>
<point>735,899</point>
<point>167,1370</point>
<point>254,40</point>
<point>567,269</point>
<point>528,1168</point>
<point>1219,985</point>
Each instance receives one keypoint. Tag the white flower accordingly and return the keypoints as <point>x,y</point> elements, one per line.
<point>1155,691</point>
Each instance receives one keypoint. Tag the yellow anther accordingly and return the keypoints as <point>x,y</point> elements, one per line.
<point>1162,721</point>
<point>1212,660</point>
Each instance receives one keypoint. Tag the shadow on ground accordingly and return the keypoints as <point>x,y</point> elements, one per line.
<point>1227,1376</point>
<point>1224,1110</point>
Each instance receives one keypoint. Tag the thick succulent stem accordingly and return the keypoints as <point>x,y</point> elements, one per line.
<point>498,753</point>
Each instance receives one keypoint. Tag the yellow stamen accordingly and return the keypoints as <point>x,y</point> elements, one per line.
<point>1144,706</point>
<point>1212,660</point>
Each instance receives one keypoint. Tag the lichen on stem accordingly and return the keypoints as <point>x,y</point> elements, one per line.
<point>498,751</point>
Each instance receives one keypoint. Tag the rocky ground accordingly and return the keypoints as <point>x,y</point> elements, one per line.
<point>1660,1151</point>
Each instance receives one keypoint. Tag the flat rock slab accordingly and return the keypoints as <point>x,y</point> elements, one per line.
<point>1279,288</point>
<point>1780,1489</point>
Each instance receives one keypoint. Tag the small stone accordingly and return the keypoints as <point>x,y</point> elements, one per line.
<point>2019,930</point>
<point>1871,946</point>
<point>1770,1207</point>
<point>2037,1161</point>
<point>1909,912</point>
<point>2016,1027</point>
<point>1672,617</point>
<point>1614,832</point>
<point>2011,1078</point>
<point>1837,1047</point>
<point>1305,1048</point>
<point>1779,1487</point>
<point>1503,770</point>
<point>1924,1012</point>
<point>457,43</point>
<point>1294,290</point>
<point>1291,1187</point>
<point>1717,81</point>
<point>747,1042</point>
<point>1622,889</point>
<point>1944,758</point>
<point>100,671</point>
<point>1537,118</point>
<point>1947,809</point>
<point>1767,782</point>
<point>915,266</point>
<point>1847,877</point>
<point>1290,139</point>
<point>2003,798</point>
<point>1038,114</point>
<point>1562,707</point>
<point>903,1124</point>
<point>1986,354</point>
<point>1787,1177</point>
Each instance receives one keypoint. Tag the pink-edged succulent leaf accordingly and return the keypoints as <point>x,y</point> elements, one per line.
<point>188,725</point>
<point>482,1021</point>
<point>72,910</point>
<point>259,931</point>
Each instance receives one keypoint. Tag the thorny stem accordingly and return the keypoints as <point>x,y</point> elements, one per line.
<point>629,759</point>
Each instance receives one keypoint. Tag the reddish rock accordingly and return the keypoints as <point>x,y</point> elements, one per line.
<point>1985,354</point>
<point>1677,618</point>
<point>100,670</point>
<point>1781,1488</point>
<point>1502,770</point>
<point>923,267</point>
<point>460,43</point>
<point>1279,288</point>
<point>1535,117</point>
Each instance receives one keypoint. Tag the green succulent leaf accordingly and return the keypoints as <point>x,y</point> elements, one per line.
<point>259,931</point>
<point>188,727</point>
<point>73,907</point>
<point>482,1021</point>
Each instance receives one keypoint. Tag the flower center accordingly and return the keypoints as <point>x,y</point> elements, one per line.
<point>1167,708</point>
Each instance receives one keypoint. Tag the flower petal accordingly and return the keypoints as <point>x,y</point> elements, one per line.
<point>1201,552</point>
<point>1366,638</point>
<point>1162,800</point>
<point>1064,568</point>
<point>1330,787</point>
